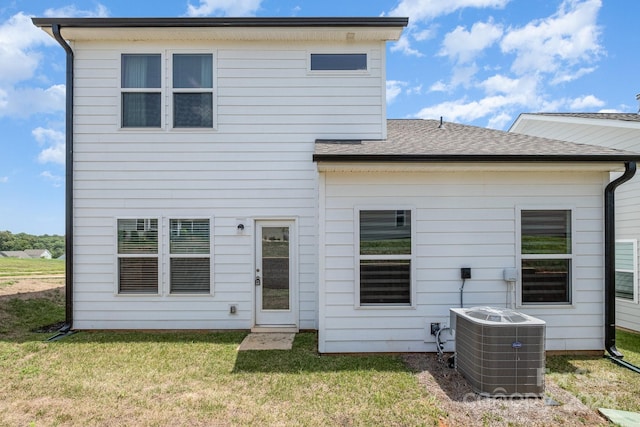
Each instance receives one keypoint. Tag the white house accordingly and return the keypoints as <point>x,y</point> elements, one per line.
<point>613,130</point>
<point>240,173</point>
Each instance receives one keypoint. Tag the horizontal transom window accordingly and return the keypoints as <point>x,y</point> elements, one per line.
<point>338,62</point>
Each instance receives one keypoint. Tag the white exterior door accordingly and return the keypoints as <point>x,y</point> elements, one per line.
<point>275,278</point>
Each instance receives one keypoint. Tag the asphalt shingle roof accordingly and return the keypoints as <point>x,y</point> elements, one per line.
<point>425,140</point>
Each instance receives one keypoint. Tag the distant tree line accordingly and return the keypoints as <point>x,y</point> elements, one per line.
<point>23,241</point>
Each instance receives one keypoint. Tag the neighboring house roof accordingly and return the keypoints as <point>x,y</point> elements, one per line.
<point>627,117</point>
<point>428,140</point>
<point>37,253</point>
<point>16,254</point>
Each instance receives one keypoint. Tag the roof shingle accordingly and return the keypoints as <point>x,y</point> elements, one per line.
<point>425,140</point>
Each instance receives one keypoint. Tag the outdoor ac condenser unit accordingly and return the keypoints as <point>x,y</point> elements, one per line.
<point>499,351</point>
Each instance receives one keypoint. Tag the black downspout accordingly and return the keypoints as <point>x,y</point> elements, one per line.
<point>68,183</point>
<point>609,260</point>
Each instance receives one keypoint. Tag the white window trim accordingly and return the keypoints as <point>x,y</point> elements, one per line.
<point>634,271</point>
<point>161,90</point>
<point>358,257</point>
<point>118,256</point>
<point>339,72</point>
<point>167,255</point>
<point>519,257</point>
<point>170,90</point>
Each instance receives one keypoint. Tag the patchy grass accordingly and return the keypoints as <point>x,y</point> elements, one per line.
<point>14,267</point>
<point>188,378</point>
<point>597,381</point>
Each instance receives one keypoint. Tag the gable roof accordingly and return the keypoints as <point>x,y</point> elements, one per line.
<point>16,254</point>
<point>426,141</point>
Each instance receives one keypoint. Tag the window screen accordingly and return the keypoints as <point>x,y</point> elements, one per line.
<point>385,257</point>
<point>189,251</point>
<point>626,253</point>
<point>138,255</point>
<point>546,256</point>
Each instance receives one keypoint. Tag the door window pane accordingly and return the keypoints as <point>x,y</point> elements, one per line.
<point>275,268</point>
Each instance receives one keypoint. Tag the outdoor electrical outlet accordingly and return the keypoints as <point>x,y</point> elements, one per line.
<point>435,327</point>
<point>465,273</point>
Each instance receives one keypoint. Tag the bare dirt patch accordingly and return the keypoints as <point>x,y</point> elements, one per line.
<point>465,408</point>
<point>26,287</point>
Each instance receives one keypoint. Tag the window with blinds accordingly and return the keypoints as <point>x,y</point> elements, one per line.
<point>546,256</point>
<point>138,256</point>
<point>626,269</point>
<point>190,256</point>
<point>385,257</point>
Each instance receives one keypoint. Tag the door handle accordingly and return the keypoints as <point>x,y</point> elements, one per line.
<point>257,280</point>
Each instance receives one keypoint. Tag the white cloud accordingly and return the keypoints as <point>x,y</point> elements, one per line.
<point>4,179</point>
<point>72,11</point>
<point>570,75</point>
<point>463,46</point>
<point>55,180</point>
<point>585,102</point>
<point>23,102</point>
<point>423,10</point>
<point>18,57</point>
<point>439,86</point>
<point>55,145</point>
<point>404,45</point>
<point>224,8</point>
<point>462,110</point>
<point>562,40</point>
<point>394,88</point>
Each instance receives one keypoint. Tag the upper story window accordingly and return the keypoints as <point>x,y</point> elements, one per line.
<point>546,256</point>
<point>192,90</point>
<point>338,62</point>
<point>188,92</point>
<point>141,90</point>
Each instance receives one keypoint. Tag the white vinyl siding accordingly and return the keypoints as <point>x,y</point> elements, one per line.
<point>257,164</point>
<point>461,220</point>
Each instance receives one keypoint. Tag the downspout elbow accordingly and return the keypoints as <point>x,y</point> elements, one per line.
<point>68,179</point>
<point>609,259</point>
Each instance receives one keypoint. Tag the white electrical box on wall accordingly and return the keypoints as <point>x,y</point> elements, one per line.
<point>510,275</point>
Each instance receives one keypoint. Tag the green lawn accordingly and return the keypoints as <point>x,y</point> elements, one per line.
<point>30,267</point>
<point>199,378</point>
<point>185,378</point>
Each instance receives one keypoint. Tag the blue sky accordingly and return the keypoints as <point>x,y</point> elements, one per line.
<point>479,62</point>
